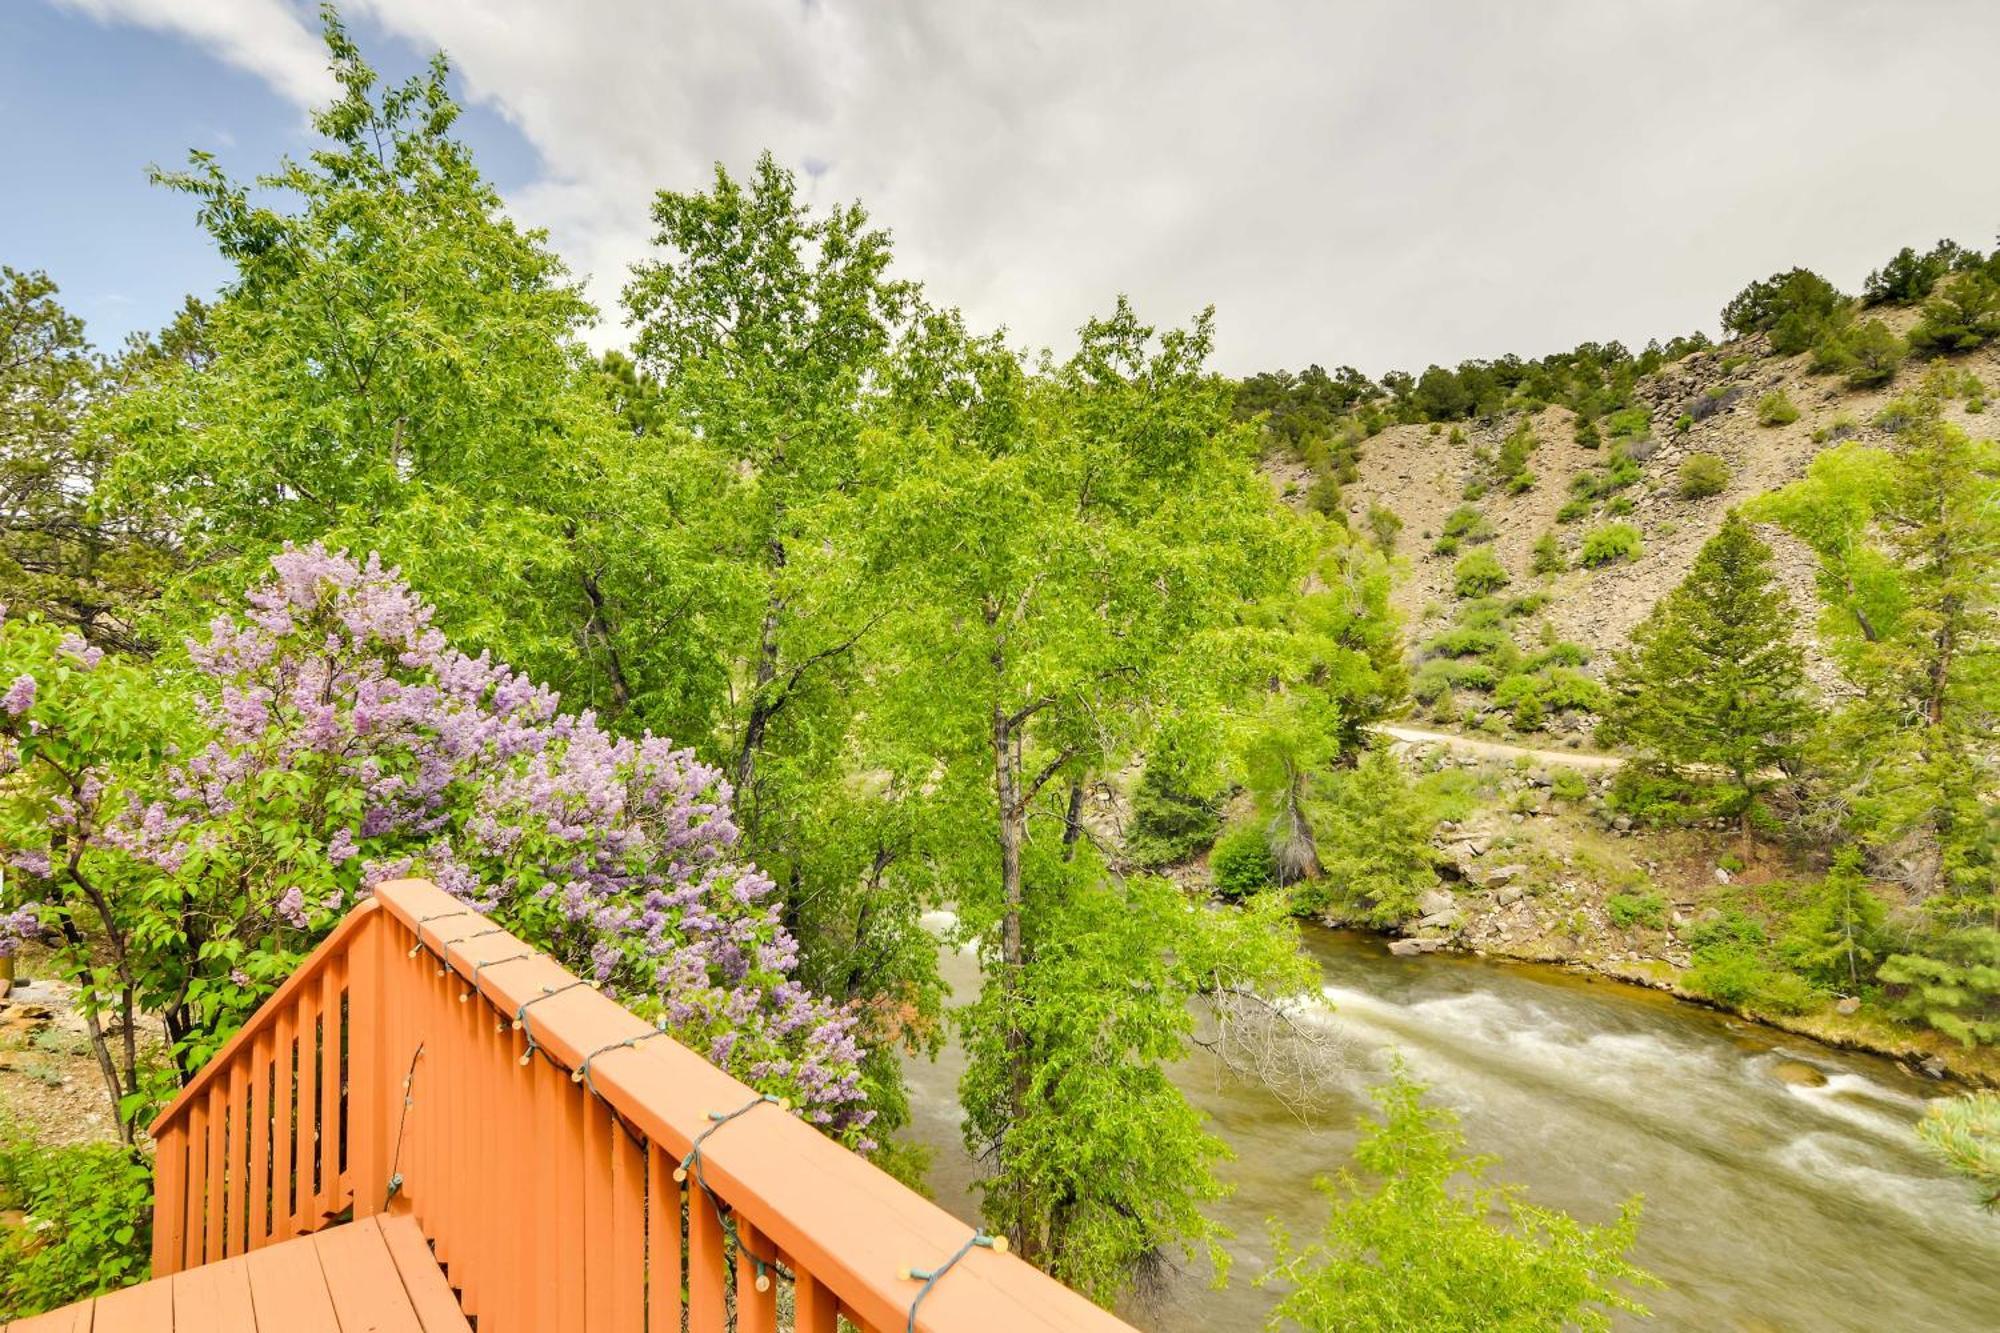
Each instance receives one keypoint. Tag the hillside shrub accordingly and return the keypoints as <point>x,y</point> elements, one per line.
<point>1642,908</point>
<point>1468,525</point>
<point>1479,573</point>
<point>1624,469</point>
<point>1384,527</point>
<point>1466,641</point>
<point>1775,409</point>
<point>1793,307</point>
<point>1660,798</point>
<point>1703,475</point>
<point>1866,354</point>
<point>1574,509</point>
<point>1567,784</point>
<point>86,1224</point>
<point>1548,555</point>
<point>1323,496</point>
<point>1241,863</point>
<point>1560,653</point>
<point>1609,543</point>
<point>1963,314</point>
<point>1628,423</point>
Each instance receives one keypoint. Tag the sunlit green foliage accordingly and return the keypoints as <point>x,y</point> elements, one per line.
<point>1965,1132</point>
<point>1416,1238</point>
<point>74,1221</point>
<point>1609,543</point>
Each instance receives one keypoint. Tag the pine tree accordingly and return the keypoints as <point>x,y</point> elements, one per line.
<point>1713,677</point>
<point>1833,939</point>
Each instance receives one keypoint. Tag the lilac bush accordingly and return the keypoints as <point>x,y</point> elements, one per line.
<point>342,742</point>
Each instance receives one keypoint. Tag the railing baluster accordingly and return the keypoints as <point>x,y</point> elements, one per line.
<point>170,1178</point>
<point>546,1090</point>
<point>663,1243</point>
<point>194,1194</point>
<point>218,1170</point>
<point>815,1308</point>
<point>568,1152</point>
<point>628,1231</point>
<point>708,1266</point>
<point>306,1159</point>
<point>284,1094</point>
<point>260,1141</point>
<point>332,1088</point>
<point>599,1239</point>
<point>756,1310</point>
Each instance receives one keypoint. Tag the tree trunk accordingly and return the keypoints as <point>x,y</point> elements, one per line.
<point>762,706</point>
<point>1013,816</point>
<point>598,627</point>
<point>1073,820</point>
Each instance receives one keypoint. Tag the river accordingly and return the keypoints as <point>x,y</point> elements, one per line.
<point>1784,1189</point>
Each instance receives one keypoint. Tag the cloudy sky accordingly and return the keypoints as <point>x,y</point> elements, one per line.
<point>1385,184</point>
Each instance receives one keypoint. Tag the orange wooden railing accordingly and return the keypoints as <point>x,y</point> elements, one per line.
<point>388,1074</point>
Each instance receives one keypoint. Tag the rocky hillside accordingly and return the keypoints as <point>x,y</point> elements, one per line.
<point>1706,403</point>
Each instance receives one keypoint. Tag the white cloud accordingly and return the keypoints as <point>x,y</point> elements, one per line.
<point>1381,183</point>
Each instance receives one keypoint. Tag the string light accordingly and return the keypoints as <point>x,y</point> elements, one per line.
<point>423,921</point>
<point>929,1277</point>
<point>521,1014</point>
<point>725,1217</point>
<point>582,1074</point>
<point>396,1158</point>
<point>486,963</point>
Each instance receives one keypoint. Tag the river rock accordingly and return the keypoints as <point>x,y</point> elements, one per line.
<point>1436,901</point>
<point>1411,948</point>
<point>1450,919</point>
<point>1935,1067</point>
<point>1847,1005</point>
<point>1799,1074</point>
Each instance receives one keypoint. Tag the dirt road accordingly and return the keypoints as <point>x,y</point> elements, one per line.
<point>1491,749</point>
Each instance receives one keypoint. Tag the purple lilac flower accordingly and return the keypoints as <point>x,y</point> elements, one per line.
<point>469,772</point>
<point>20,696</point>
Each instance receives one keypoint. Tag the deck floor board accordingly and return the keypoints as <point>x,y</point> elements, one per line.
<point>372,1276</point>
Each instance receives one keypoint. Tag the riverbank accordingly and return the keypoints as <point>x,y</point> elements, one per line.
<point>1535,866</point>
<point>1919,1052</point>
<point>1783,1186</point>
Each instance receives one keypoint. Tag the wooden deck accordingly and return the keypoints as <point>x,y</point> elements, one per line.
<point>371,1276</point>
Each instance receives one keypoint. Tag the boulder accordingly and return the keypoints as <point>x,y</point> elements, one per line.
<point>1799,1073</point>
<point>1498,876</point>
<point>1436,901</point>
<point>1447,920</point>
<point>1846,1005</point>
<point>1508,896</point>
<point>1412,947</point>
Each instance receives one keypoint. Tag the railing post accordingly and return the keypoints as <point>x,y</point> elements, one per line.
<point>369,1079</point>
<point>169,1198</point>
